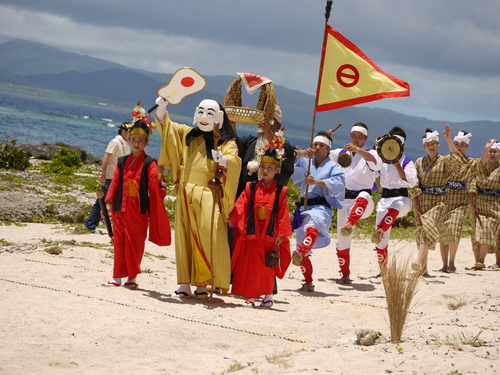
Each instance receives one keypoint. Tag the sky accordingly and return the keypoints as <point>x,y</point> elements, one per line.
<point>447,50</point>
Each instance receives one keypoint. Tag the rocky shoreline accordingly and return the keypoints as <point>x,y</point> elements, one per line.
<point>30,196</point>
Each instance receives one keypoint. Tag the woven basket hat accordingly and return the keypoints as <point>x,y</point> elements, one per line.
<point>265,107</point>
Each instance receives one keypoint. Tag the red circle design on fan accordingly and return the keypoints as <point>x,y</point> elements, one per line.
<point>187,81</point>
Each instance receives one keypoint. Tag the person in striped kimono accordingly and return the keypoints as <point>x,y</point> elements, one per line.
<point>458,204</point>
<point>429,195</point>
<point>484,194</point>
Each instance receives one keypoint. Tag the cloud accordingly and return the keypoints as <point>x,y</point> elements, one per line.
<point>447,50</point>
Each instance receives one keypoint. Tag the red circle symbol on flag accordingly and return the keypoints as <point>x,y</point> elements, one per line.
<point>187,81</point>
<point>348,75</point>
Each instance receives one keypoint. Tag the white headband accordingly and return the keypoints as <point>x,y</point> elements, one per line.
<point>429,137</point>
<point>323,139</point>
<point>359,129</point>
<point>496,145</point>
<point>462,137</point>
<point>400,138</point>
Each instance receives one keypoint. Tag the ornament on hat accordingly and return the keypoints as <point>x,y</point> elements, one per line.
<point>266,104</point>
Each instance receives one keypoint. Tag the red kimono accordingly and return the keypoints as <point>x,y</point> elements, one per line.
<point>130,226</point>
<point>251,278</point>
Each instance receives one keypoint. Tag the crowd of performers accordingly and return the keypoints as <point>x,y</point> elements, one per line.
<point>232,222</point>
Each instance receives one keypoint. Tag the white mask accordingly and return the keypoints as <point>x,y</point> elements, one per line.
<point>207,114</point>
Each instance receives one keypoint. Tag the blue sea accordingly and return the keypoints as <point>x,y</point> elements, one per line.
<point>34,120</point>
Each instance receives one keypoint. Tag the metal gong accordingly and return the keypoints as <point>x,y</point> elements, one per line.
<point>389,148</point>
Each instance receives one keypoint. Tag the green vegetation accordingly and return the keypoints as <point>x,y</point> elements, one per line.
<point>11,157</point>
<point>63,162</point>
<point>64,179</point>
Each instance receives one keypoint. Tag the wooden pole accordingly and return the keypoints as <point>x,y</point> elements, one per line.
<point>328,9</point>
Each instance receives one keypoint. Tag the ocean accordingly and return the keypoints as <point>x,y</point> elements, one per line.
<point>34,120</point>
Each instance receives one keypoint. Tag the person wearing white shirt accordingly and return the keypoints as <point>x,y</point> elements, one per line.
<point>358,204</point>
<point>395,180</point>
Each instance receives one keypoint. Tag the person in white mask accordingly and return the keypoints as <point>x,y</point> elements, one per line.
<point>193,159</point>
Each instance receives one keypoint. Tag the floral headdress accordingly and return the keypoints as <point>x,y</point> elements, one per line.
<point>139,113</point>
<point>272,153</point>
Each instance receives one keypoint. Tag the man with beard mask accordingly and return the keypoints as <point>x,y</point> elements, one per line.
<point>193,159</point>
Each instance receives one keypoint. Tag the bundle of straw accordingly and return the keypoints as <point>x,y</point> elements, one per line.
<point>264,109</point>
<point>400,287</point>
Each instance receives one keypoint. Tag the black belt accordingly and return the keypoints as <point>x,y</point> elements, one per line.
<point>435,190</point>
<point>391,193</point>
<point>316,201</point>
<point>458,185</point>
<point>492,192</point>
<point>353,194</point>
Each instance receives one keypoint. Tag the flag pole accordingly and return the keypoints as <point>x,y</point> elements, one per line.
<point>328,9</point>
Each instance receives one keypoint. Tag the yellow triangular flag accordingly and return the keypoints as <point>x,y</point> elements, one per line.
<point>349,77</point>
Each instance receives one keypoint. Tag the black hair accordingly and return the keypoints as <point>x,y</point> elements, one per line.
<point>362,125</point>
<point>139,124</point>
<point>396,130</point>
<point>324,134</point>
<point>465,133</point>
<point>123,126</point>
<point>427,131</point>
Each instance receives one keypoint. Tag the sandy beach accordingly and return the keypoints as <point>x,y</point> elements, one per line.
<point>58,319</point>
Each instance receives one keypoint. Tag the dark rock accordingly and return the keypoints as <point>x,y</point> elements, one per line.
<point>44,151</point>
<point>17,206</point>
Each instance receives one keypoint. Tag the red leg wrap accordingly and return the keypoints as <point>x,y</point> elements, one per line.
<point>307,269</point>
<point>382,256</point>
<point>344,261</point>
<point>357,211</point>
<point>389,219</point>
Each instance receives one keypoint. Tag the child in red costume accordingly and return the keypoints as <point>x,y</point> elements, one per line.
<point>262,224</point>
<point>135,199</point>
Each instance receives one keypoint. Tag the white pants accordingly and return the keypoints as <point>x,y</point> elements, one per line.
<point>343,215</point>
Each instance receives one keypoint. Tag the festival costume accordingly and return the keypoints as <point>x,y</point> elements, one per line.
<point>486,186</point>
<point>191,168</point>
<point>395,201</point>
<point>255,238</point>
<point>319,213</point>
<point>137,201</point>
<point>246,151</point>
<point>432,199</point>
<point>358,204</point>
<point>458,200</point>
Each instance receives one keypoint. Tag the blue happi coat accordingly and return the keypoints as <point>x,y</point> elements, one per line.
<point>334,177</point>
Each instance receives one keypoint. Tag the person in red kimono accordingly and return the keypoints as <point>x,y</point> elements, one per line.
<point>262,224</point>
<point>135,199</point>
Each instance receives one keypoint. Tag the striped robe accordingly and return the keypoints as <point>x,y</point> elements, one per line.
<point>458,201</point>
<point>433,208</point>
<point>486,228</point>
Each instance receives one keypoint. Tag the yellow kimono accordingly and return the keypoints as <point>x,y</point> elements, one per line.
<point>191,170</point>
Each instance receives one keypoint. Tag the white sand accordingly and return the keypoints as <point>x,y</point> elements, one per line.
<point>57,319</point>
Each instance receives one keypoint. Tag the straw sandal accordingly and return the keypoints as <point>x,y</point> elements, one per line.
<point>131,285</point>
<point>111,284</point>
<point>344,280</point>
<point>297,258</point>
<point>268,304</point>
<point>346,230</point>
<point>478,266</point>
<point>248,304</point>
<point>306,287</point>
<point>377,236</point>
<point>181,295</point>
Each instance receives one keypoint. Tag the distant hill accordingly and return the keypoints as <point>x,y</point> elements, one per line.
<point>25,64</point>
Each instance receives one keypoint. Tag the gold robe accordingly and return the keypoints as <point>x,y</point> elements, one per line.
<point>191,170</point>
